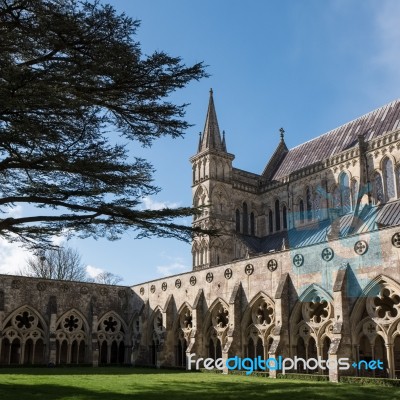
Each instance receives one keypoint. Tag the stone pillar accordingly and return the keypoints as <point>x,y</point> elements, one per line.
<point>95,343</point>
<point>390,358</point>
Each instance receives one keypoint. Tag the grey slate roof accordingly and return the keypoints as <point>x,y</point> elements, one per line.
<point>370,219</point>
<point>374,124</point>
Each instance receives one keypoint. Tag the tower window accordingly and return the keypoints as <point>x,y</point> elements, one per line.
<point>277,216</point>
<point>252,224</point>
<point>245,219</point>
<point>237,221</point>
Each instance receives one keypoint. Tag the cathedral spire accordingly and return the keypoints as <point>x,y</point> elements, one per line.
<point>211,138</point>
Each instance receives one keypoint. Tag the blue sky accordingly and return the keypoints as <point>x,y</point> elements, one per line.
<point>307,65</point>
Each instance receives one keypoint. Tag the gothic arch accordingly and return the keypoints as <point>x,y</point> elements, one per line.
<point>312,322</point>
<point>216,325</point>
<point>387,166</point>
<point>72,338</point>
<point>112,336</point>
<point>24,337</point>
<point>257,324</point>
<point>183,327</point>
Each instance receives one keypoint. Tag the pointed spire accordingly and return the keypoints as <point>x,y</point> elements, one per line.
<point>223,141</point>
<point>211,138</point>
<point>199,146</point>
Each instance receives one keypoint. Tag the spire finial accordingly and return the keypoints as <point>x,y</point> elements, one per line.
<point>211,92</point>
<point>282,131</point>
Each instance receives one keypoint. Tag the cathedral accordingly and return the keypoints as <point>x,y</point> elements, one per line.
<point>306,263</point>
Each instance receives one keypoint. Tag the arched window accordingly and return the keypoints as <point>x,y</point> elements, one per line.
<point>317,206</point>
<point>378,188</point>
<point>284,217</point>
<point>354,192</point>
<point>277,216</point>
<point>252,224</point>
<point>270,222</point>
<point>344,193</point>
<point>237,221</point>
<point>245,219</point>
<point>309,204</point>
<point>388,176</point>
<point>301,210</point>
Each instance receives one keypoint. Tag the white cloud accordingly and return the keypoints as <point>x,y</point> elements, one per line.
<point>12,257</point>
<point>150,204</point>
<point>93,271</point>
<point>171,269</point>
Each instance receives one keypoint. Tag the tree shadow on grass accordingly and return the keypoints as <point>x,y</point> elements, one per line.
<point>255,388</point>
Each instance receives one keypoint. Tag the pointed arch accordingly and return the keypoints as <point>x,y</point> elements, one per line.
<point>388,179</point>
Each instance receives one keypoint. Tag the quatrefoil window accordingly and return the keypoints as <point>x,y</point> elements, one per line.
<point>249,269</point>
<point>228,273</point>
<point>222,317</point>
<point>385,304</point>
<point>24,320</point>
<point>272,265</point>
<point>71,323</point>
<point>264,314</point>
<point>187,321</point>
<point>327,254</point>
<point>361,247</point>
<point>396,240</point>
<point>317,310</point>
<point>110,324</point>
<point>298,260</point>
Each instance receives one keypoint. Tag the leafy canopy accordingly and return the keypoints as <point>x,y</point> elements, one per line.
<point>71,75</point>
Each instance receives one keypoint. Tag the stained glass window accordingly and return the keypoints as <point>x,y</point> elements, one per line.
<point>345,192</point>
<point>277,216</point>
<point>284,217</point>
<point>378,188</point>
<point>389,179</point>
<point>309,203</point>
<point>354,192</point>
<point>237,221</point>
<point>245,219</point>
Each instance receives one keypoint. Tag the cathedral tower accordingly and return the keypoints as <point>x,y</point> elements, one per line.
<point>212,183</point>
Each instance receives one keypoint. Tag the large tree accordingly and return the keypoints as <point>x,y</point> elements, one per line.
<point>74,89</point>
<point>62,263</point>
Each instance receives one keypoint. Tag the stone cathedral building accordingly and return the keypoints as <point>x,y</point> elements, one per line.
<point>306,264</point>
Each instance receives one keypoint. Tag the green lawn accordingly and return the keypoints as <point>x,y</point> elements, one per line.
<point>148,384</point>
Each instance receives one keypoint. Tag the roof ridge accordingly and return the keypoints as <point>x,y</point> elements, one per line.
<point>347,123</point>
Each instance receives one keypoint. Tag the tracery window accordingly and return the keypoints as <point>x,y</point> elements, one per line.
<point>245,219</point>
<point>345,193</point>
<point>270,222</point>
<point>277,216</point>
<point>378,188</point>
<point>309,204</point>
<point>389,179</point>
<point>354,192</point>
<point>237,221</point>
<point>284,217</point>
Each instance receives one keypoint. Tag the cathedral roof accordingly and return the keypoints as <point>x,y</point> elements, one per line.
<point>370,219</point>
<point>371,125</point>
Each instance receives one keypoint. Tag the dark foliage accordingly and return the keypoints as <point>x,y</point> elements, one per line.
<point>73,84</point>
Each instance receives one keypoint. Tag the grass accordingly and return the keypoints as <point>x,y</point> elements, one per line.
<point>149,384</point>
